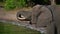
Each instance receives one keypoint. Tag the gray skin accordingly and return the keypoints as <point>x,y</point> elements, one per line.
<point>45,18</point>
<point>41,16</point>
<point>26,14</point>
<point>54,27</point>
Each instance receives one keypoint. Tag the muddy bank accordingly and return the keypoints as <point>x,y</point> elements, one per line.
<point>11,14</point>
<point>10,17</point>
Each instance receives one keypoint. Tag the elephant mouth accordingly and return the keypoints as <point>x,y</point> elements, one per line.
<point>23,18</point>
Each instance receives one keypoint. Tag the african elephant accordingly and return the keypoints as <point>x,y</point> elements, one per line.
<point>54,27</point>
<point>39,15</point>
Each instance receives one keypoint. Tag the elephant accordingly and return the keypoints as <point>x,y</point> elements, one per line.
<point>39,15</point>
<point>49,18</point>
<point>44,16</point>
<point>54,27</point>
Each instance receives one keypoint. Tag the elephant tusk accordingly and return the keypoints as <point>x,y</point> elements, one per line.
<point>20,18</point>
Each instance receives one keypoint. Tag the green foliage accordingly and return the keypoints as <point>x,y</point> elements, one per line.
<point>8,28</point>
<point>20,3</point>
<point>11,4</point>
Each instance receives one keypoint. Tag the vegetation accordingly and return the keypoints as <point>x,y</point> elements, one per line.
<point>6,28</point>
<point>11,4</point>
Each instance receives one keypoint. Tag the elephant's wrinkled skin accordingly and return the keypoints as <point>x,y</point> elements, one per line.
<point>39,15</point>
<point>42,16</point>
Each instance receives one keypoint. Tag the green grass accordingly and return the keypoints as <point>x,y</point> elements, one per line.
<point>13,29</point>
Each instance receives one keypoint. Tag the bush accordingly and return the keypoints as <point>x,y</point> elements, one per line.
<point>20,3</point>
<point>11,4</point>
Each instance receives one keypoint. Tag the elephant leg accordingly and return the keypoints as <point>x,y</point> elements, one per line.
<point>51,29</point>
